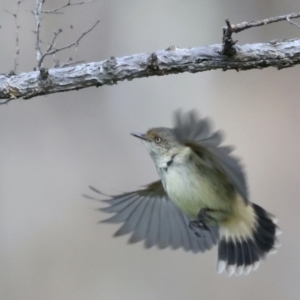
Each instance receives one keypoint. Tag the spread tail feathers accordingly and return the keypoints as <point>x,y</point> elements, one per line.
<point>246,240</point>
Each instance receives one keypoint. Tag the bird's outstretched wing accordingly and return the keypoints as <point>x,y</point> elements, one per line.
<point>151,216</point>
<point>190,128</point>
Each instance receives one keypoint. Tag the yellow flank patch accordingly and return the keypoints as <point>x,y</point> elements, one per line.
<point>242,222</point>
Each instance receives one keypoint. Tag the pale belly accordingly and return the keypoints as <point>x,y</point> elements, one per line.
<point>192,193</point>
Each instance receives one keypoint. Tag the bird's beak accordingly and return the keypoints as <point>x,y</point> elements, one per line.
<point>140,136</point>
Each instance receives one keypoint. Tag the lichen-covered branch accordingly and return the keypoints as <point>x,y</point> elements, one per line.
<point>278,54</point>
<point>226,56</point>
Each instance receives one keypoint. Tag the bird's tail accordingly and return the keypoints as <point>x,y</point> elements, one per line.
<point>246,239</point>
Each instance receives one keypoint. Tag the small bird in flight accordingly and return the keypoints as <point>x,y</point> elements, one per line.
<point>200,200</point>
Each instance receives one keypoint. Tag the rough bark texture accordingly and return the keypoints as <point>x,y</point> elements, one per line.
<point>279,54</point>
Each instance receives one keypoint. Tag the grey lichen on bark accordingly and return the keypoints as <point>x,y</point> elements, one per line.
<point>278,54</point>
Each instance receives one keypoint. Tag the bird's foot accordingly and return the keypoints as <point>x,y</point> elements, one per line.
<point>197,226</point>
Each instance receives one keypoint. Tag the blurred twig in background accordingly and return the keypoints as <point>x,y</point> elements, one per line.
<point>58,10</point>
<point>17,51</point>
<point>51,50</point>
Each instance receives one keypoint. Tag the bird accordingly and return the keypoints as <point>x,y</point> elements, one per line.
<point>200,200</point>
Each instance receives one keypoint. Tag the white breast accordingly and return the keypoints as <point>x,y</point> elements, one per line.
<point>184,184</point>
<point>188,189</point>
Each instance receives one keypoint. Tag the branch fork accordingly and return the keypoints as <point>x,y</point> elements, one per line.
<point>227,42</point>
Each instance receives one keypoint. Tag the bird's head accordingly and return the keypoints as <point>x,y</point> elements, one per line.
<point>160,142</point>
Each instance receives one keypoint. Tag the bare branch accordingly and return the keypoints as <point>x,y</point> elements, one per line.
<point>58,10</point>
<point>246,25</point>
<point>15,16</point>
<point>17,37</point>
<point>291,22</point>
<point>37,15</point>
<point>52,44</point>
<point>229,29</point>
<point>51,50</point>
<point>10,13</point>
<point>278,54</point>
<point>70,63</point>
<point>228,43</point>
<point>4,101</point>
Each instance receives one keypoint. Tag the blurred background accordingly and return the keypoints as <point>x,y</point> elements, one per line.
<point>53,147</point>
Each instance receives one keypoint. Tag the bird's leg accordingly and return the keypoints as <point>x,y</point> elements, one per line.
<point>201,222</point>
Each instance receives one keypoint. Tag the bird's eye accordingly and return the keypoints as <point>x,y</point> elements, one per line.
<point>157,140</point>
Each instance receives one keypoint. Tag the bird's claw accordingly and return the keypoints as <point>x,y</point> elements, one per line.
<point>197,226</point>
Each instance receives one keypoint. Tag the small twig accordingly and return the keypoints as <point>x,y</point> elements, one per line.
<point>52,44</point>
<point>227,41</point>
<point>52,50</point>
<point>5,101</point>
<point>10,13</point>
<point>37,15</point>
<point>291,22</point>
<point>70,63</point>
<point>15,16</point>
<point>57,10</point>
<point>245,25</point>
<point>17,37</point>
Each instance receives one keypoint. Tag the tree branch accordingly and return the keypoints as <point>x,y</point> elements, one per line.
<point>279,54</point>
<point>246,25</point>
<point>37,16</point>
<point>51,50</point>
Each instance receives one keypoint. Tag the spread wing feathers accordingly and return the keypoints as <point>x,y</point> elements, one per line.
<point>149,215</point>
<point>190,128</point>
